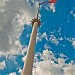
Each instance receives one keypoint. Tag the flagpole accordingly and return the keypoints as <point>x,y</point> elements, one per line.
<point>28,64</point>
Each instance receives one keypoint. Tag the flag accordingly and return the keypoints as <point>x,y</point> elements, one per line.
<point>52,1</point>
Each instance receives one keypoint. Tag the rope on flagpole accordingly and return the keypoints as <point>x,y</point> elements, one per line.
<point>38,11</point>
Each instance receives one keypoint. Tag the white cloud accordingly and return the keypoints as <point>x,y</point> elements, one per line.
<point>46,46</point>
<point>14,73</point>
<point>44,35</point>
<point>71,40</point>
<point>2,65</point>
<point>2,4</point>
<point>24,50</point>
<point>14,14</point>
<point>61,62</point>
<point>62,55</point>
<point>52,7</point>
<point>41,36</point>
<point>61,38</point>
<point>69,69</point>
<point>47,55</point>
<point>72,12</point>
<point>20,71</point>
<point>48,66</point>
<point>38,37</point>
<point>53,39</point>
<point>23,59</point>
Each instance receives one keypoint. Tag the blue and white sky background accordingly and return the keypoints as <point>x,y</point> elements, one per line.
<point>55,40</point>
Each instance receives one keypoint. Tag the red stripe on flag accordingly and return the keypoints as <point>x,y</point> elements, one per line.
<point>52,1</point>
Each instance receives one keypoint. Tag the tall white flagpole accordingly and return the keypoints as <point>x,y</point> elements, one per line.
<point>28,64</point>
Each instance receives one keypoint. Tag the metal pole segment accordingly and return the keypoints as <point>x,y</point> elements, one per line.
<point>38,11</point>
<point>28,66</point>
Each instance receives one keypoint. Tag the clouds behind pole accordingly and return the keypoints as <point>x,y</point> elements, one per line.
<point>13,15</point>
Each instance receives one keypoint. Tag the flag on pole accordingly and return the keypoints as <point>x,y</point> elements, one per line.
<point>50,1</point>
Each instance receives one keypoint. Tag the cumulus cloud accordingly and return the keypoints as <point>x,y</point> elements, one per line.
<point>48,65</point>
<point>13,15</point>
<point>2,65</point>
<point>69,69</point>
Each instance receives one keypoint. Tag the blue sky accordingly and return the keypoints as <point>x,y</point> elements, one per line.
<point>55,40</point>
